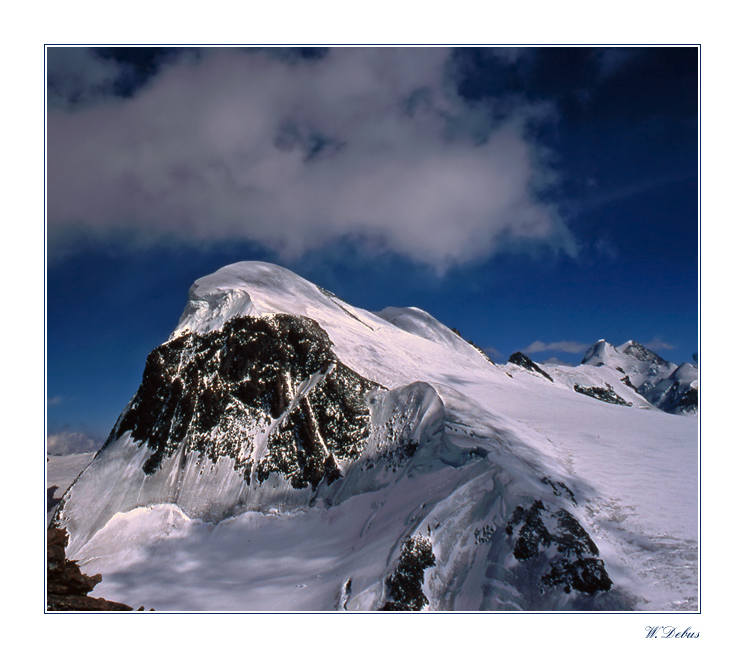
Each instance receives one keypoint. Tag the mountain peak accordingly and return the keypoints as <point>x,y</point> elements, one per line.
<point>598,353</point>
<point>247,288</point>
<point>639,351</point>
<point>278,415</point>
<point>519,359</point>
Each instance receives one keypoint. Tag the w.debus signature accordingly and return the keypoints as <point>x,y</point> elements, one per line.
<point>669,632</point>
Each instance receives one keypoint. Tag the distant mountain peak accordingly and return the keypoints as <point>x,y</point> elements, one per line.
<point>519,359</point>
<point>659,381</point>
<point>598,353</point>
<point>639,351</point>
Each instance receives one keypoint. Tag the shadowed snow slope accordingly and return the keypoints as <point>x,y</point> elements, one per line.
<point>284,446</point>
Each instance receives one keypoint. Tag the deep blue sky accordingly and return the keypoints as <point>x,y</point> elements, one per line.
<point>162,168</point>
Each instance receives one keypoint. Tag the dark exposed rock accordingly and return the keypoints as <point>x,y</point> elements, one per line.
<point>639,351</point>
<point>205,390</point>
<point>560,489</point>
<point>586,575</point>
<point>340,303</point>
<point>397,454</point>
<point>405,584</point>
<point>345,595</point>
<point>473,345</point>
<point>607,394</point>
<point>628,382</point>
<point>557,541</point>
<point>688,401</point>
<point>480,351</point>
<point>519,359</point>
<point>532,531</point>
<point>483,534</point>
<point>52,501</point>
<point>67,586</point>
<point>681,398</point>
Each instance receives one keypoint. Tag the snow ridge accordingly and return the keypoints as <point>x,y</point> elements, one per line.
<point>308,451</point>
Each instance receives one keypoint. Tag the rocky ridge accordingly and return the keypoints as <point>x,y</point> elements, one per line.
<point>67,586</point>
<point>278,375</point>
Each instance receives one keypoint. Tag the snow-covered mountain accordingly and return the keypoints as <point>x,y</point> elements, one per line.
<point>668,387</point>
<point>679,392</point>
<point>287,451</point>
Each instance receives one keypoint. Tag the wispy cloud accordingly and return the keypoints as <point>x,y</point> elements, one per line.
<point>600,199</point>
<point>493,353</point>
<point>558,346</point>
<point>557,361</point>
<point>67,442</point>
<point>366,143</point>
<point>659,344</point>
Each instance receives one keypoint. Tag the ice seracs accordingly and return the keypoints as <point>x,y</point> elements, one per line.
<point>288,451</point>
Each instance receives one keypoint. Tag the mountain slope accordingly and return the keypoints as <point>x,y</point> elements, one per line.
<point>664,385</point>
<point>287,451</point>
<point>679,392</point>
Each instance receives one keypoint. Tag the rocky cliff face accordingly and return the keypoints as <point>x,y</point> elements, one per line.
<point>605,394</point>
<point>269,393</point>
<point>560,549</point>
<point>643,354</point>
<point>67,586</point>
<point>258,415</point>
<point>519,359</point>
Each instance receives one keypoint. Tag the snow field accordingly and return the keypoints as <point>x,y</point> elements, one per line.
<point>490,438</point>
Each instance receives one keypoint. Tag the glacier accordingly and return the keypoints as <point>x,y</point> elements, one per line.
<point>286,448</point>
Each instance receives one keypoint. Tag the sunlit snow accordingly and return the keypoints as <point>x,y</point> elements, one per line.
<point>196,536</point>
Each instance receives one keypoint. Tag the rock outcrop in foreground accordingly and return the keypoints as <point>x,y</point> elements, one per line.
<point>67,586</point>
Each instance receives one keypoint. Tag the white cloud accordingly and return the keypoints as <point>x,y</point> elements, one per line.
<point>366,143</point>
<point>68,442</point>
<point>659,344</point>
<point>557,361</point>
<point>494,353</point>
<point>559,346</point>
